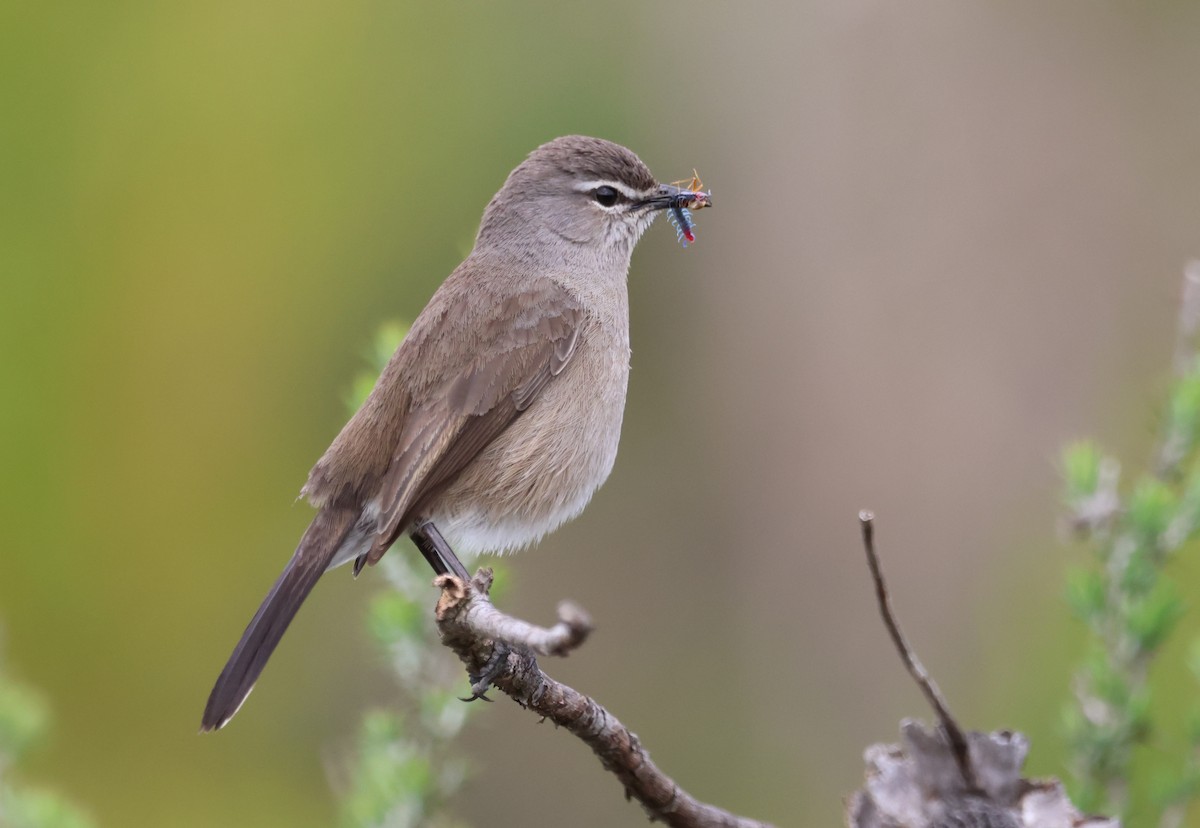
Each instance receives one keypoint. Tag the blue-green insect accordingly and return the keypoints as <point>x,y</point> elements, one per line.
<point>681,219</point>
<point>680,216</point>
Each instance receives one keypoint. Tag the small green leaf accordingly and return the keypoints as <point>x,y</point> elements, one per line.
<point>1183,412</point>
<point>1151,507</point>
<point>1081,469</point>
<point>33,808</point>
<point>1151,618</point>
<point>387,340</point>
<point>1085,593</point>
<point>393,617</point>
<point>1141,571</point>
<point>24,718</point>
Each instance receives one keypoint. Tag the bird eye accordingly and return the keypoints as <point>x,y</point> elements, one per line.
<point>605,196</point>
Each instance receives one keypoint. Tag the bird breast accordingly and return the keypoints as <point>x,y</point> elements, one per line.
<point>545,467</point>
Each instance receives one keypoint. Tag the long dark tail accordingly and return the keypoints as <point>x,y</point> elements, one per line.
<point>312,556</point>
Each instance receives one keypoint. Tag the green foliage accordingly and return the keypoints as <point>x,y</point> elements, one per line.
<point>1085,593</point>
<point>393,779</point>
<point>404,769</point>
<point>1131,607</point>
<point>24,721</point>
<point>1153,617</point>
<point>1081,470</point>
<point>393,619</point>
<point>1151,507</point>
<point>387,339</point>
<point>34,808</point>
<point>1183,413</point>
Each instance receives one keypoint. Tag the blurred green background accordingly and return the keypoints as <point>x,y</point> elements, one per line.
<point>947,239</point>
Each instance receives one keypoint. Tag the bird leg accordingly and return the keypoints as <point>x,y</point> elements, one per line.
<point>444,561</point>
<point>437,551</point>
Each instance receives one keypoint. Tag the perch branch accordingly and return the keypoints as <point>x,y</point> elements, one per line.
<point>501,650</point>
<point>486,621</point>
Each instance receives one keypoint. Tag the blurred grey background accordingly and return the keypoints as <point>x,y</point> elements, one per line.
<point>947,239</point>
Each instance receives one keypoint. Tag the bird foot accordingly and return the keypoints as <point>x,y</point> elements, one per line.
<point>482,681</point>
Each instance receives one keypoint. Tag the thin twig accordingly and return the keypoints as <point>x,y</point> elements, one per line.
<point>472,628</point>
<point>958,741</point>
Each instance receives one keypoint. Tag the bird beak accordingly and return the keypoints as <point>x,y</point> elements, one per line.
<point>670,197</point>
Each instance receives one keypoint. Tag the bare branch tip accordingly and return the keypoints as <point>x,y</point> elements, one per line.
<point>484,576</point>
<point>574,616</point>
<point>866,523</point>
<point>451,584</point>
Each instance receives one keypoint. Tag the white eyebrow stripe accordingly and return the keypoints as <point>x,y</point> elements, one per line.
<point>632,195</point>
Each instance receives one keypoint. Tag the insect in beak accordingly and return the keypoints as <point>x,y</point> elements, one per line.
<point>681,197</point>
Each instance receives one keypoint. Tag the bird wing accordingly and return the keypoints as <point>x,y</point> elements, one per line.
<point>445,416</point>
<point>513,347</point>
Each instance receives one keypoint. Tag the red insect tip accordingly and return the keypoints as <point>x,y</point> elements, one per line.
<point>689,235</point>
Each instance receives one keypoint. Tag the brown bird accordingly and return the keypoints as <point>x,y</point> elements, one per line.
<point>499,415</point>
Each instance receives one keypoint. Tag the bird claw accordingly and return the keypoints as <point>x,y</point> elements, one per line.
<point>482,681</point>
